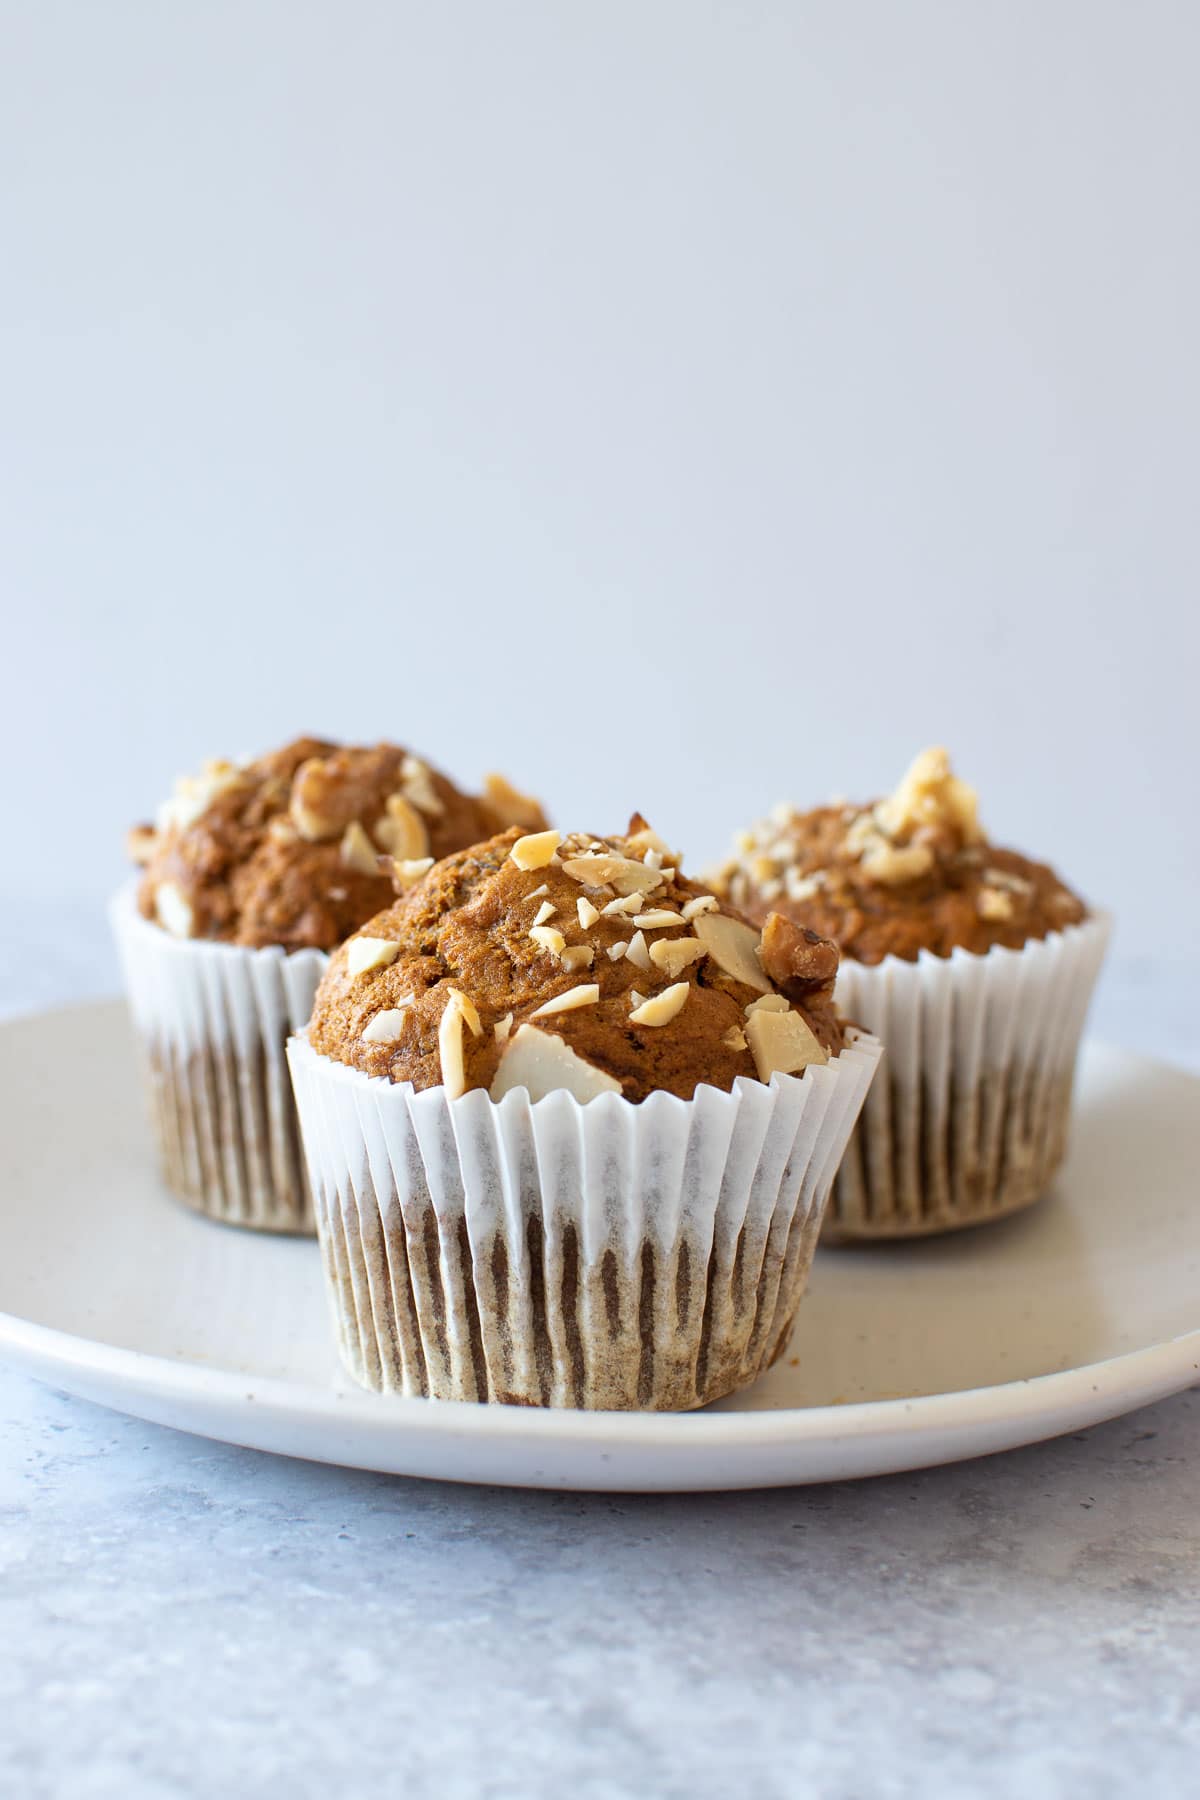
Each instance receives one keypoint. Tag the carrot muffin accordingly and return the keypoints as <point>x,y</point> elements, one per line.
<point>571,1126</point>
<point>974,963</point>
<point>252,873</point>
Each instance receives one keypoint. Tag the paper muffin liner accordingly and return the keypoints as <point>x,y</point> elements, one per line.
<point>606,1255</point>
<point>969,1121</point>
<point>214,1020</point>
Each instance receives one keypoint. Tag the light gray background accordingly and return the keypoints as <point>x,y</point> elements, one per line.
<point>683,406</point>
<point>677,405</point>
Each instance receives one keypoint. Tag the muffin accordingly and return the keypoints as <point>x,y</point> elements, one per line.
<point>973,964</point>
<point>252,873</point>
<point>571,1127</point>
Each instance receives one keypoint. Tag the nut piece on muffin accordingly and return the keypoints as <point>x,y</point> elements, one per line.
<point>912,872</point>
<point>287,849</point>
<point>571,1127</point>
<point>973,964</point>
<point>580,963</point>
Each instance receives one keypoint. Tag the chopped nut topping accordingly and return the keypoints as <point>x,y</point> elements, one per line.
<point>450,1047</point>
<point>194,794</point>
<point>892,864</point>
<point>543,1064</point>
<point>470,1012</point>
<point>357,851</point>
<point>578,956</point>
<point>364,953</point>
<point>768,1003</point>
<point>621,872</point>
<point>387,1026</point>
<point>585,995</point>
<point>534,892</point>
<point>418,786</point>
<point>312,826</point>
<point>657,920</point>
<point>644,839</point>
<point>703,903</point>
<point>636,999</point>
<point>282,830</point>
<point>547,937</point>
<point>930,795</point>
<point>660,1009</point>
<point>173,910</point>
<point>674,955</point>
<point>311,784</point>
<point>1001,878</point>
<point>545,911</point>
<point>796,959</point>
<point>536,850</point>
<point>502,1027</point>
<point>804,887</point>
<point>402,831</point>
<point>624,903</point>
<point>406,874</point>
<point>140,844</point>
<point>616,951</point>
<point>733,946</point>
<point>782,1043</point>
<point>735,1038</point>
<point>510,805</point>
<point>995,905</point>
<point>588,914</point>
<point>637,952</point>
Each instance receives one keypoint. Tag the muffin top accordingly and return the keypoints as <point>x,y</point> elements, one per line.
<point>287,849</point>
<point>582,963</point>
<point>912,872</point>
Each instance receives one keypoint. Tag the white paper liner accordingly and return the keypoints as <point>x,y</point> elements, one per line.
<point>969,1121</point>
<point>606,1255</point>
<point>213,1020</point>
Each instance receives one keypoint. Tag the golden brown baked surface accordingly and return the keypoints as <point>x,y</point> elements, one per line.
<point>459,972</point>
<point>912,872</point>
<point>285,850</point>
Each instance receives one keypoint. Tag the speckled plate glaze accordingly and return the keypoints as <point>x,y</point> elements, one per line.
<point>1082,1308</point>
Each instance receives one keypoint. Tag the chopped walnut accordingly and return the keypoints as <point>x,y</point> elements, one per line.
<point>930,795</point>
<point>797,960</point>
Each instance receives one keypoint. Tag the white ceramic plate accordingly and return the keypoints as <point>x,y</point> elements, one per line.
<point>1083,1308</point>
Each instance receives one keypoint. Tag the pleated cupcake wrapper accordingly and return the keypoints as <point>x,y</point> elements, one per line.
<point>214,1020</point>
<point>969,1120</point>
<point>553,1254</point>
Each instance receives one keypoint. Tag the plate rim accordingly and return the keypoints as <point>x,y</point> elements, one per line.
<point>940,1428</point>
<point>1167,1367</point>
